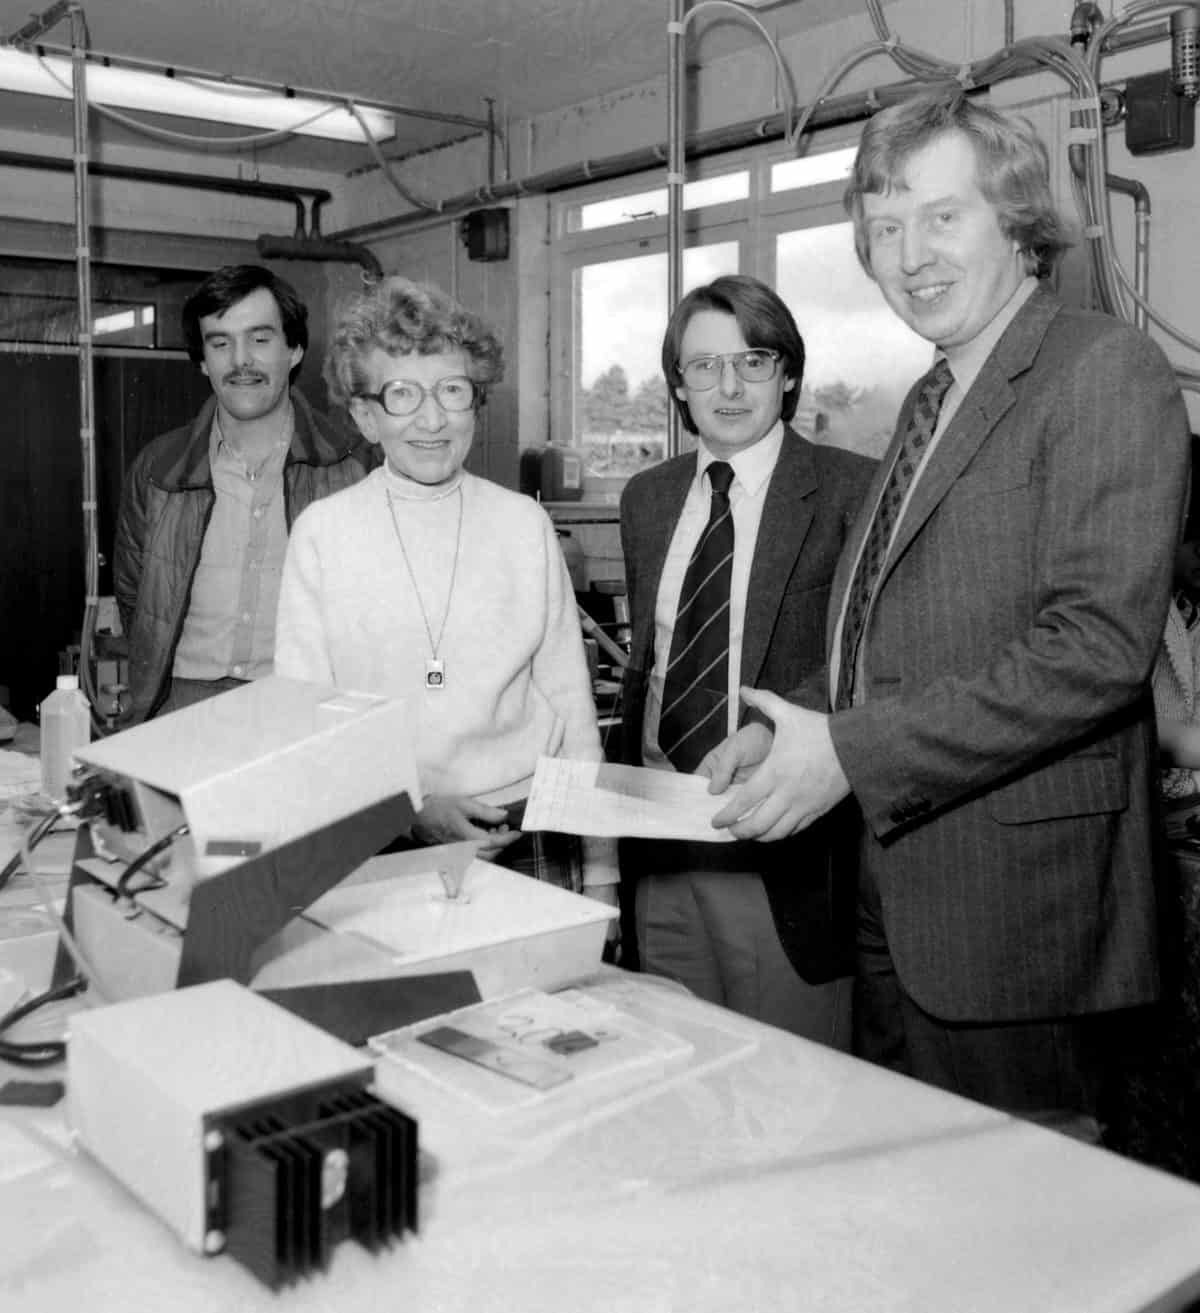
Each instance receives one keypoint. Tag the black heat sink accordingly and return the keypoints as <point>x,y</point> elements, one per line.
<point>290,1178</point>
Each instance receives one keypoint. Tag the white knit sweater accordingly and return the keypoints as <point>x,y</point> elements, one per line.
<point>516,681</point>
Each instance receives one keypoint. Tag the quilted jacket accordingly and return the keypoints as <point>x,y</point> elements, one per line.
<point>166,503</point>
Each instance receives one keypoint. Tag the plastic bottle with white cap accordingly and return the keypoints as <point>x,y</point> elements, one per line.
<point>66,725</point>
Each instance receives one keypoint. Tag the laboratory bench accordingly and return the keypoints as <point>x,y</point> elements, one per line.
<point>758,1171</point>
<point>764,1173</point>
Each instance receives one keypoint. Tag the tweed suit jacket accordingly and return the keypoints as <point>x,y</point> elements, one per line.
<point>811,501</point>
<point>1002,749</point>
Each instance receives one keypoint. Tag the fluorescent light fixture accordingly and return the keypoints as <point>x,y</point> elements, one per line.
<point>193,98</point>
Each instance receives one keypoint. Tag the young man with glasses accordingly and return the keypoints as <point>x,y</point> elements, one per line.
<point>729,555</point>
<point>206,509</point>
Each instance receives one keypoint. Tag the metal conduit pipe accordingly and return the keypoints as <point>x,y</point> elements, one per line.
<point>1141,206</point>
<point>830,113</point>
<point>203,182</point>
<point>305,243</point>
<point>676,157</point>
<point>87,375</point>
<point>317,247</point>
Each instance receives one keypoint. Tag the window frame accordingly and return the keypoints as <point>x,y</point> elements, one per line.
<point>753,223</point>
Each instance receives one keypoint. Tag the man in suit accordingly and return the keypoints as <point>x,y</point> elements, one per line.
<point>729,920</point>
<point>990,651</point>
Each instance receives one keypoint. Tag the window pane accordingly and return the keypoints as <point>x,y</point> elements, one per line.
<point>621,397</point>
<point>811,170</point>
<point>653,204</point>
<point>131,305</point>
<point>860,359</point>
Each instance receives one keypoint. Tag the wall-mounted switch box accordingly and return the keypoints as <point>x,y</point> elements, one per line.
<point>1157,118</point>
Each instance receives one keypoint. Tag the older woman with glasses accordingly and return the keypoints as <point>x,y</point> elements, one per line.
<point>433,585</point>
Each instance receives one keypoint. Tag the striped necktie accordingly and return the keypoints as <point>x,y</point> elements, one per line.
<point>921,425</point>
<point>696,688</point>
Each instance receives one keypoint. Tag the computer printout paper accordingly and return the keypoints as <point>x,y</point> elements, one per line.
<point>599,798</point>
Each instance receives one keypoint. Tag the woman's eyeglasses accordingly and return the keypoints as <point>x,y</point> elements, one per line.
<point>403,396</point>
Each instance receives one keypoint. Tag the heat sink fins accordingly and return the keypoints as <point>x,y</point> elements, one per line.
<point>290,1179</point>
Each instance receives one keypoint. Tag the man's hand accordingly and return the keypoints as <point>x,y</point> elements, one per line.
<point>731,762</point>
<point>799,780</point>
<point>451,819</point>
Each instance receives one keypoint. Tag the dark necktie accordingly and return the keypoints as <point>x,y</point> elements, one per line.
<point>696,688</point>
<point>921,424</point>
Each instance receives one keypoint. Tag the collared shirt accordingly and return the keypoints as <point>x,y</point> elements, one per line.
<point>752,470</point>
<point>229,628</point>
<point>965,363</point>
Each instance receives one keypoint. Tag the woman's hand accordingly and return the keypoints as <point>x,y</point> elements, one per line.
<point>451,818</point>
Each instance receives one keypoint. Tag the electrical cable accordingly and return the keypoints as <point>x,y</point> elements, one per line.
<point>39,832</point>
<point>1114,287</point>
<point>46,898</point>
<point>1114,280</point>
<point>249,141</point>
<point>418,202</point>
<point>143,859</point>
<point>791,136</point>
<point>36,1053</point>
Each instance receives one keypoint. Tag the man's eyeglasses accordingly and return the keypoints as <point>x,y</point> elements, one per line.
<point>403,396</point>
<point>704,372</point>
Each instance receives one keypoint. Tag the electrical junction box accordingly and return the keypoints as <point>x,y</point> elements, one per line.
<point>485,234</point>
<point>244,1128</point>
<point>284,788</point>
<point>1157,118</point>
<point>251,770</point>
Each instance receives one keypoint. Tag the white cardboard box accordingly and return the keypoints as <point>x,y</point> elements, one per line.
<point>511,931</point>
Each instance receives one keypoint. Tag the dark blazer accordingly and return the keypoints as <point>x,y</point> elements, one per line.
<point>1001,755</point>
<point>812,499</point>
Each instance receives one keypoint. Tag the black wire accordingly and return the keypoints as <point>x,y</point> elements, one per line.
<point>142,859</point>
<point>36,1053</point>
<point>43,828</point>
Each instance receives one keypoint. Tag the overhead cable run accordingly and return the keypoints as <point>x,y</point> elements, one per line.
<point>1059,55</point>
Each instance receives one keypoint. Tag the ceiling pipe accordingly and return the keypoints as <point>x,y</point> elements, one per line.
<point>832,112</point>
<point>317,247</point>
<point>1138,192</point>
<point>270,191</point>
<point>306,243</point>
<point>676,175</point>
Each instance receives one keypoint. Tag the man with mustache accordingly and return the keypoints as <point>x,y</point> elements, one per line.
<point>206,509</point>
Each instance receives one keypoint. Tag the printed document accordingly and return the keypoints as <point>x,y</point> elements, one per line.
<point>596,797</point>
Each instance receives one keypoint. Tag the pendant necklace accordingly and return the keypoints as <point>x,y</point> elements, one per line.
<point>435,668</point>
<point>252,474</point>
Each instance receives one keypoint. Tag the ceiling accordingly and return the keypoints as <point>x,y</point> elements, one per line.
<point>450,56</point>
